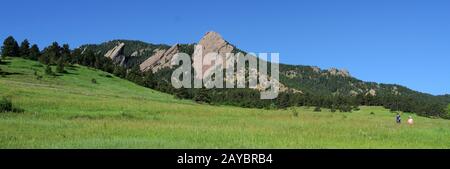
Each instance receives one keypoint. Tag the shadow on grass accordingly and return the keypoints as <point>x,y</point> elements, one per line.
<point>71,73</point>
<point>2,73</point>
<point>3,62</point>
<point>72,67</point>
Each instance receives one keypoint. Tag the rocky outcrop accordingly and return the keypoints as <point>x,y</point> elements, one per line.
<point>160,59</point>
<point>116,54</point>
<point>211,42</point>
<point>291,74</point>
<point>372,92</point>
<point>339,72</point>
<point>316,69</point>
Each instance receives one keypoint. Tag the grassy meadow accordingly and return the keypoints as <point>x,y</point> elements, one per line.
<point>70,111</point>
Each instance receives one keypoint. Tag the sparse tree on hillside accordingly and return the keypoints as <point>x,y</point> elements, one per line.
<point>44,58</point>
<point>34,52</point>
<point>24,50</point>
<point>52,53</point>
<point>60,65</point>
<point>10,47</point>
<point>65,53</point>
<point>76,56</point>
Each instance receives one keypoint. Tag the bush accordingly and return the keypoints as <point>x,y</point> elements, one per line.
<point>202,96</point>
<point>48,70</point>
<point>7,106</point>
<point>372,113</point>
<point>317,109</point>
<point>38,77</point>
<point>333,110</point>
<point>345,108</point>
<point>294,112</point>
<point>93,81</point>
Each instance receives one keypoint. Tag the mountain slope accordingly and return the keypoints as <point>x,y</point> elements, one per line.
<point>323,88</point>
<point>134,52</point>
<point>69,111</point>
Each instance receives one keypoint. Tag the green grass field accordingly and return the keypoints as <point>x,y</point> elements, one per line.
<point>69,111</point>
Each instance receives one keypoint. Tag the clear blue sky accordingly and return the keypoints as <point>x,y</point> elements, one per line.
<point>405,42</point>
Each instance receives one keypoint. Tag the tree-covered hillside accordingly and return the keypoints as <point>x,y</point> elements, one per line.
<point>334,89</point>
<point>135,51</point>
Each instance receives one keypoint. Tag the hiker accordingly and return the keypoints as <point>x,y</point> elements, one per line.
<point>410,121</point>
<point>398,118</point>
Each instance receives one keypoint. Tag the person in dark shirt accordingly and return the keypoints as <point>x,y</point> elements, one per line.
<point>398,118</point>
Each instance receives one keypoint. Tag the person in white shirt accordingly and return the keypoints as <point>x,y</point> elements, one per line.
<point>410,120</point>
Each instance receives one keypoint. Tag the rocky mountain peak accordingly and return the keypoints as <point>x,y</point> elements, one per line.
<point>212,42</point>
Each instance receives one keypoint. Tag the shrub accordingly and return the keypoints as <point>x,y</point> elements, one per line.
<point>372,113</point>
<point>294,112</point>
<point>333,109</point>
<point>48,70</point>
<point>345,108</point>
<point>38,77</point>
<point>7,106</point>
<point>93,81</point>
<point>317,109</point>
<point>202,97</point>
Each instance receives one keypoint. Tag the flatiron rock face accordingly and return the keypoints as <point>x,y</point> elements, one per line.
<point>116,54</point>
<point>160,59</point>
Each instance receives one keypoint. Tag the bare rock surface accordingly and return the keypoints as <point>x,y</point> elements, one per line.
<point>160,59</point>
<point>116,54</point>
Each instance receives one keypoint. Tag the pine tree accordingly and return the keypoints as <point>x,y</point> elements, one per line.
<point>148,79</point>
<point>10,47</point>
<point>65,53</point>
<point>53,53</point>
<point>24,50</point>
<point>60,65</point>
<point>135,75</point>
<point>34,52</point>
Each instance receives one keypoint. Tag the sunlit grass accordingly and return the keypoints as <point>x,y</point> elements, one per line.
<point>69,111</point>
